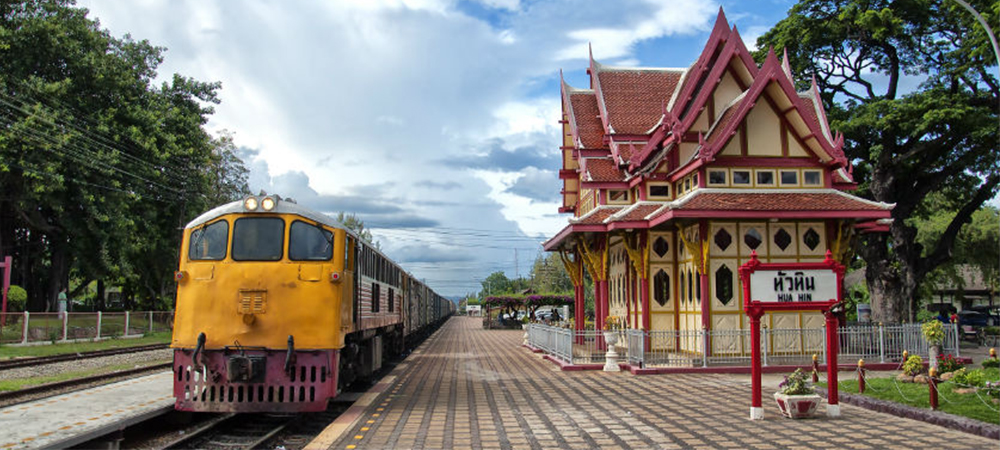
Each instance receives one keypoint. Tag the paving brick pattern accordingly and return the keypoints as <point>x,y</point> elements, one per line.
<point>472,388</point>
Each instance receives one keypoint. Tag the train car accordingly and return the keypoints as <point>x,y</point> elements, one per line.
<point>280,307</point>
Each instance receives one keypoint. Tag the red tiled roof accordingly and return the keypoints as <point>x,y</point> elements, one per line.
<point>603,170</point>
<point>809,112</point>
<point>639,213</point>
<point>587,118</point>
<point>625,150</point>
<point>809,115</point>
<point>778,201</point>
<point>634,98</point>
<point>598,216</point>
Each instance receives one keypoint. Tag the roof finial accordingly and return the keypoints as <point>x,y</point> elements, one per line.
<point>785,65</point>
<point>721,24</point>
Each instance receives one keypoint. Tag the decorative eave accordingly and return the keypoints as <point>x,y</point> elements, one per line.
<point>770,72</point>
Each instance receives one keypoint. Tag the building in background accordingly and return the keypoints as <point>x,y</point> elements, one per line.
<point>674,176</point>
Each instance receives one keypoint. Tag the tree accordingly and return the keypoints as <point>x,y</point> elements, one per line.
<point>549,275</point>
<point>905,145</point>
<point>496,283</point>
<point>98,166</point>
<point>976,246</point>
<point>352,222</point>
<point>226,172</point>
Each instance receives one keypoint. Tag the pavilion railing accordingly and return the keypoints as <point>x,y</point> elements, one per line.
<point>781,346</point>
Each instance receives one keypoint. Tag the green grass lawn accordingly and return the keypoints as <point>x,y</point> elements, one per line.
<point>7,351</point>
<point>914,394</point>
<point>21,383</point>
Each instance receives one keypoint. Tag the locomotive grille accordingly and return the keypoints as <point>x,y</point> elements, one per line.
<point>252,302</point>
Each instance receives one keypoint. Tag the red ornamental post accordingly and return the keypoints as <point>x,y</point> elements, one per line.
<point>861,376</point>
<point>833,396</point>
<point>932,383</point>
<point>756,404</point>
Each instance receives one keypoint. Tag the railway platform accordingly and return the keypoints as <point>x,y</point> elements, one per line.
<point>64,420</point>
<point>466,387</point>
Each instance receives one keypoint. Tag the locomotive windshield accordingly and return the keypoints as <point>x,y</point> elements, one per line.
<point>308,242</point>
<point>209,242</point>
<point>258,238</point>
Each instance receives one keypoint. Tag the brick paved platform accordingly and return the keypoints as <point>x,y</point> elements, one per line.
<point>472,388</point>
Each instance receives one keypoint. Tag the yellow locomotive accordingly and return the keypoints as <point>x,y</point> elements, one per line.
<point>279,307</point>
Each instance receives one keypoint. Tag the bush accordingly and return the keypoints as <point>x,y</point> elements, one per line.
<point>933,332</point>
<point>16,298</point>
<point>968,377</point>
<point>914,365</point>
<point>948,363</point>
<point>991,362</point>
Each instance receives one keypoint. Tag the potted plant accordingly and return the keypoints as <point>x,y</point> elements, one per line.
<point>796,398</point>
<point>610,330</point>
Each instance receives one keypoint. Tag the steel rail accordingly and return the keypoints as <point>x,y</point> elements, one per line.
<point>35,361</point>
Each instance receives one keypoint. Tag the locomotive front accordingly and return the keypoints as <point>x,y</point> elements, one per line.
<point>258,319</point>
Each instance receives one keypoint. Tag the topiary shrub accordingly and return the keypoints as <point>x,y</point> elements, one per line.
<point>991,362</point>
<point>933,332</point>
<point>17,297</point>
<point>913,366</point>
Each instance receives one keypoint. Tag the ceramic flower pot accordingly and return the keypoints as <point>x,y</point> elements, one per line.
<point>797,406</point>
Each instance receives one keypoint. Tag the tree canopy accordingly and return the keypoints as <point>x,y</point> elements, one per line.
<point>911,85</point>
<point>98,165</point>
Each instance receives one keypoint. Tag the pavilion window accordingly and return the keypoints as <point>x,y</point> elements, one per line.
<point>718,177</point>
<point>812,178</point>
<point>765,177</point>
<point>789,178</point>
<point>660,191</point>
<point>741,177</point>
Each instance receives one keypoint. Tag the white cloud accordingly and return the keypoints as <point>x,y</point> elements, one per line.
<point>362,104</point>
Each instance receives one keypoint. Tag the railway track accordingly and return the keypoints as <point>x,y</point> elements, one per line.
<point>27,362</point>
<point>229,431</point>
<point>7,396</point>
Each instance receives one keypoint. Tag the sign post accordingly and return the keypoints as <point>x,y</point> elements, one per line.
<point>792,287</point>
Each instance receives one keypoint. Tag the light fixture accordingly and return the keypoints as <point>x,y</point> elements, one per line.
<point>250,204</point>
<point>268,203</point>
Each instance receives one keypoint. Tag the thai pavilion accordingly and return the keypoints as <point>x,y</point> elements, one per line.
<point>674,176</point>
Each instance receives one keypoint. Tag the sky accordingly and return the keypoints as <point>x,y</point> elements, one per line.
<point>434,121</point>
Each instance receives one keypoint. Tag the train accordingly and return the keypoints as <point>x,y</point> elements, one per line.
<point>280,308</point>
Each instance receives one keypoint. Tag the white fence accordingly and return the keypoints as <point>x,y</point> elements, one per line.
<point>683,348</point>
<point>25,327</point>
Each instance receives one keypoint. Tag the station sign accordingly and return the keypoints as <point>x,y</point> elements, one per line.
<point>793,286</point>
<point>772,287</point>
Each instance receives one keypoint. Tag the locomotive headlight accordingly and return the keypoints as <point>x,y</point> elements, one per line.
<point>335,277</point>
<point>250,204</point>
<point>267,203</point>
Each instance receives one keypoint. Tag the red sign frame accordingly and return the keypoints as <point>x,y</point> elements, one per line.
<point>756,309</point>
